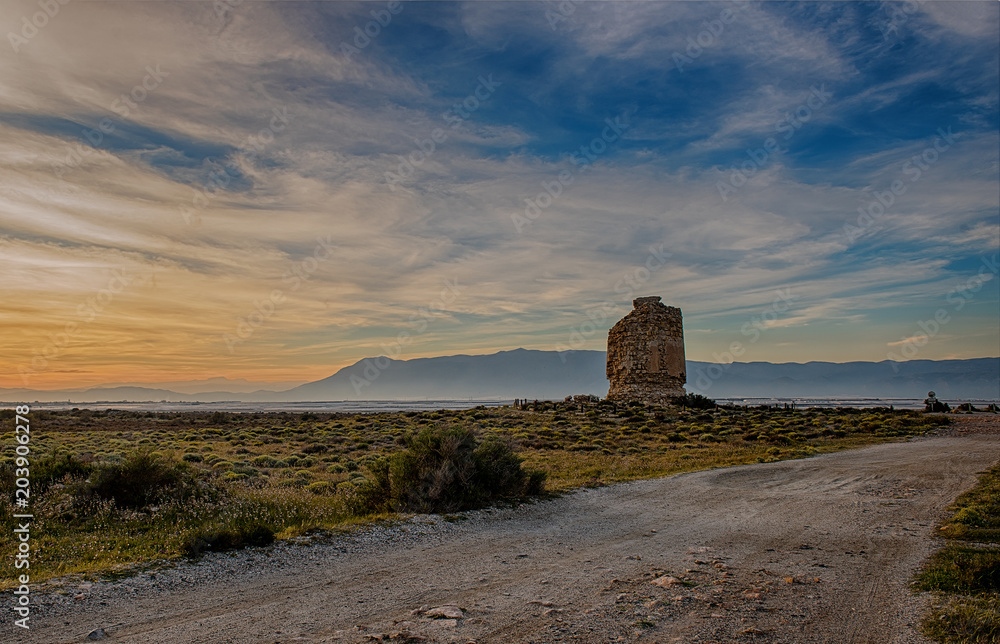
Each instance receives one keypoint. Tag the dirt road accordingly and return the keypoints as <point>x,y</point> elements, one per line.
<point>814,550</point>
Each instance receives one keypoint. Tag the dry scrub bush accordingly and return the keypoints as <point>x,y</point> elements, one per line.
<point>445,470</point>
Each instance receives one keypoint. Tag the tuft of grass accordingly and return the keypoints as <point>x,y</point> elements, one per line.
<point>965,573</point>
<point>977,512</point>
<point>964,619</point>
<point>227,538</point>
<point>962,569</point>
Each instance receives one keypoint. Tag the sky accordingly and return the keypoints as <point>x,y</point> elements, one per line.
<point>271,191</point>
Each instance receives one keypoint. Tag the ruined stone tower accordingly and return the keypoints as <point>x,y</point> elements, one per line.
<point>646,354</point>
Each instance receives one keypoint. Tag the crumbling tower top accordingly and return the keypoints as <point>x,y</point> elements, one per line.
<point>646,353</point>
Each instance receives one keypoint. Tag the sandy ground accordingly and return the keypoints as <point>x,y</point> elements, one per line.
<point>813,550</point>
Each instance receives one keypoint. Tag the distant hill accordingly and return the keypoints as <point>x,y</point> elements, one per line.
<point>951,379</point>
<point>548,374</point>
<point>520,373</point>
<point>524,373</point>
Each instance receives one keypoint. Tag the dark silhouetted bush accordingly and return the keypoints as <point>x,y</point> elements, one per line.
<point>45,472</point>
<point>694,401</point>
<point>445,470</point>
<point>220,418</point>
<point>144,479</point>
<point>229,538</point>
<point>51,469</point>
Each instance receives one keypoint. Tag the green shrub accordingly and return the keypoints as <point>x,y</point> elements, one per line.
<point>220,418</point>
<point>498,470</point>
<point>242,467</point>
<point>51,469</point>
<point>969,517</point>
<point>265,460</point>
<point>694,401</point>
<point>444,470</point>
<point>143,479</point>
<point>320,487</point>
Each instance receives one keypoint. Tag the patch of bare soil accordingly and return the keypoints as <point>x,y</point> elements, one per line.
<point>813,550</point>
<point>974,423</point>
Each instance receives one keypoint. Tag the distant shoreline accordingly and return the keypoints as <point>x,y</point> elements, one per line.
<point>375,406</point>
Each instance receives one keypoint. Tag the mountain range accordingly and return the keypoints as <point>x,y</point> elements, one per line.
<point>530,374</point>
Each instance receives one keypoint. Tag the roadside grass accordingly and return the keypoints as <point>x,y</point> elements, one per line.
<point>215,481</point>
<point>977,512</point>
<point>965,574</point>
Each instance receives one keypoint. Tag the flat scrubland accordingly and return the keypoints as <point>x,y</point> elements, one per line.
<point>114,491</point>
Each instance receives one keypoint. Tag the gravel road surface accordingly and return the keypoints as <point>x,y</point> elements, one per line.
<point>812,550</point>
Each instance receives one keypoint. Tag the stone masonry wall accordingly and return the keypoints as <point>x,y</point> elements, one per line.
<point>646,354</point>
